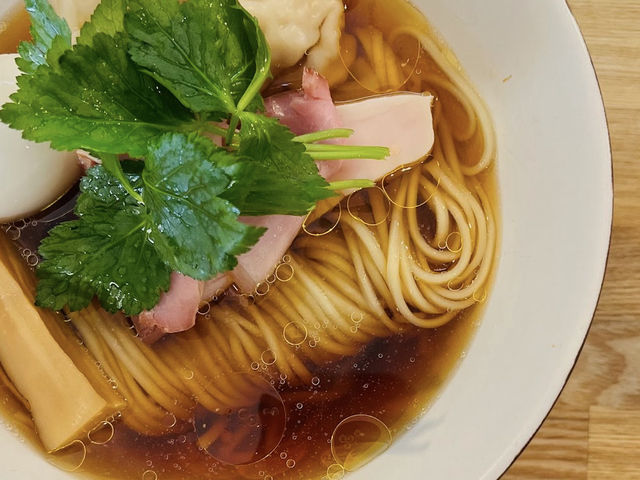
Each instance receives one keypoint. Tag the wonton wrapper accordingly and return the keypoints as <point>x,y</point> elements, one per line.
<point>75,12</point>
<point>297,27</point>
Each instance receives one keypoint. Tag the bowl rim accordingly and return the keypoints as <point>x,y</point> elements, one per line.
<point>515,452</point>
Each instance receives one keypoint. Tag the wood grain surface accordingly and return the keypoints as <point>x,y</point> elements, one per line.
<point>593,431</point>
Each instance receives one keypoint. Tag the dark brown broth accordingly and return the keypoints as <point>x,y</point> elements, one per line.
<point>13,30</point>
<point>393,379</point>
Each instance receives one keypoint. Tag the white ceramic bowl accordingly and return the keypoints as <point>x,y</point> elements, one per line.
<point>554,170</point>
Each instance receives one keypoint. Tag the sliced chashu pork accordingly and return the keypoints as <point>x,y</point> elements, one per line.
<point>400,121</point>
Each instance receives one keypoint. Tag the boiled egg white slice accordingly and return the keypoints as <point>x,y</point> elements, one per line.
<point>32,175</point>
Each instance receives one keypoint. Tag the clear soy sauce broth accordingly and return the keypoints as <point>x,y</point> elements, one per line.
<point>351,410</point>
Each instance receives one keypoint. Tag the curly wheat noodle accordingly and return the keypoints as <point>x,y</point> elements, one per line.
<point>466,95</point>
<point>387,274</point>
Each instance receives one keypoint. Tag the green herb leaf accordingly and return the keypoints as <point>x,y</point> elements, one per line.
<point>108,18</point>
<point>51,37</point>
<point>145,79</point>
<point>107,252</point>
<point>97,100</point>
<point>193,229</point>
<point>122,250</point>
<point>209,53</point>
<point>276,176</point>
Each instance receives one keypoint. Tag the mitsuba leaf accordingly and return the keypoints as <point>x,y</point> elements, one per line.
<point>105,187</point>
<point>108,18</point>
<point>210,54</point>
<point>275,174</point>
<point>96,100</point>
<point>50,34</point>
<point>122,250</point>
<point>107,252</point>
<point>197,232</point>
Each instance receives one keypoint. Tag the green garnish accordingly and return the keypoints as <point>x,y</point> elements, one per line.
<point>96,100</point>
<point>51,37</point>
<point>103,253</point>
<point>108,18</point>
<point>216,61</point>
<point>146,79</point>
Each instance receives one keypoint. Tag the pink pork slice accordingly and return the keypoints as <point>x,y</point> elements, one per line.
<point>409,136</point>
<point>175,312</point>
<point>400,121</point>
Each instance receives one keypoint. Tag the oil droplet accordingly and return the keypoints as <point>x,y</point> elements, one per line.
<point>324,225</point>
<point>13,233</point>
<point>453,242</point>
<point>291,463</point>
<point>480,296</point>
<point>283,455</point>
<point>268,357</point>
<point>315,381</point>
<point>262,289</point>
<point>169,421</point>
<point>335,472</point>
<point>204,309</point>
<point>295,333</point>
<point>359,206</point>
<point>71,457</point>
<point>284,272</point>
<point>102,434</point>
<point>359,439</point>
<point>33,260</point>
<point>149,475</point>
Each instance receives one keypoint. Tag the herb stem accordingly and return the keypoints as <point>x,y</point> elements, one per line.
<point>345,184</point>
<point>112,164</point>
<point>324,135</point>
<point>345,152</point>
<point>231,131</point>
<point>212,128</point>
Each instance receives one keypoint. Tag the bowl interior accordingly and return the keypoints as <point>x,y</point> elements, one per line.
<point>529,63</point>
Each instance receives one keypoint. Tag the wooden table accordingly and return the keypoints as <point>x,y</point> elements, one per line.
<point>593,431</point>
